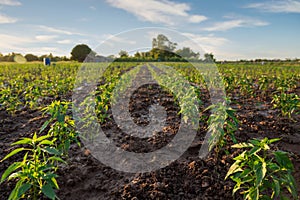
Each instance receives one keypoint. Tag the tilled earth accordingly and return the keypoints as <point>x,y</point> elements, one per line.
<point>189,177</point>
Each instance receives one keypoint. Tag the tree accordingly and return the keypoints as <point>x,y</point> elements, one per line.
<point>187,52</point>
<point>162,42</point>
<point>137,54</point>
<point>209,57</point>
<point>162,48</point>
<point>123,54</point>
<point>30,57</point>
<point>80,52</point>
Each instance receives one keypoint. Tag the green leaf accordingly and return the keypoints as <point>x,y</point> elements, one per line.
<point>34,137</point>
<point>18,174</point>
<point>254,150</point>
<point>283,160</point>
<point>61,118</point>
<point>14,152</point>
<point>241,156</point>
<point>260,172</point>
<point>292,184</point>
<point>42,138</point>
<point>10,169</point>
<point>235,167</point>
<point>54,182</point>
<point>253,194</point>
<point>67,144</point>
<point>242,145</point>
<point>264,169</point>
<point>245,173</point>
<point>266,147</point>
<point>48,191</point>
<point>236,188</point>
<point>255,142</point>
<point>51,150</point>
<point>273,166</point>
<point>23,189</point>
<point>234,140</point>
<point>14,194</point>
<point>57,159</point>
<point>44,126</point>
<point>265,197</point>
<point>46,142</point>
<point>276,188</point>
<point>23,141</point>
<point>248,179</point>
<point>274,140</point>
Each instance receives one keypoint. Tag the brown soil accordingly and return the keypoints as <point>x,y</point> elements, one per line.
<point>189,177</point>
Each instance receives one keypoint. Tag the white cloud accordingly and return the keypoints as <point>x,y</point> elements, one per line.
<point>45,38</point>
<point>10,3</point>
<point>44,50</point>
<point>155,11</point>
<point>7,20</point>
<point>209,43</point>
<point>282,6</point>
<point>235,23</point>
<point>197,18</point>
<point>13,42</point>
<point>64,42</point>
<point>27,44</point>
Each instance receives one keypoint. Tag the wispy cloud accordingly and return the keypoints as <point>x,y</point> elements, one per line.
<point>118,39</point>
<point>58,30</point>
<point>209,43</point>
<point>45,38</point>
<point>155,11</point>
<point>7,20</point>
<point>27,44</point>
<point>10,3</point>
<point>278,6</point>
<point>13,42</point>
<point>235,22</point>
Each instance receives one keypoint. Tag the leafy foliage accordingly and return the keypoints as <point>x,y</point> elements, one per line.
<point>62,126</point>
<point>222,123</point>
<point>35,175</point>
<point>287,103</point>
<point>261,173</point>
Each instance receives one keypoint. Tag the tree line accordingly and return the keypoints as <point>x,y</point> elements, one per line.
<point>162,50</point>
<point>31,57</point>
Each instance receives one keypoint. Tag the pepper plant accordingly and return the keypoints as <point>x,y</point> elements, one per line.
<point>62,126</point>
<point>287,103</point>
<point>222,123</point>
<point>35,175</point>
<point>261,173</point>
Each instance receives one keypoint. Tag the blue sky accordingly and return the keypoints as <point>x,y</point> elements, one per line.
<point>230,29</point>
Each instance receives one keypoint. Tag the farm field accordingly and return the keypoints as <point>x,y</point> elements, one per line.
<point>37,99</point>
